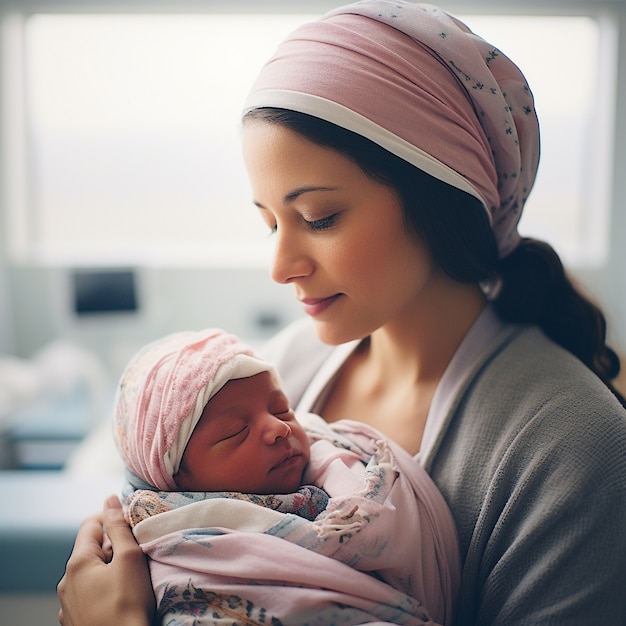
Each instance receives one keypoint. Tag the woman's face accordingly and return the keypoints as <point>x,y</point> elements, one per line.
<point>247,440</point>
<point>340,235</point>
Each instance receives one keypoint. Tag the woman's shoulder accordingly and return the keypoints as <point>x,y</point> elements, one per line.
<point>532,362</point>
<point>523,391</point>
<point>531,394</point>
<point>531,375</point>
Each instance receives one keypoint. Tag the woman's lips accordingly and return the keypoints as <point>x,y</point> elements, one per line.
<point>316,306</point>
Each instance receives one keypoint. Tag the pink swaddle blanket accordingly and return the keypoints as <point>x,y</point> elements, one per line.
<point>383,550</point>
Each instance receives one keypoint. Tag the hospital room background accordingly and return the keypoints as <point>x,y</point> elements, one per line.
<point>125,214</point>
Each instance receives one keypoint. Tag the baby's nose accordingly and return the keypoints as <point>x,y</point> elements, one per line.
<point>278,429</point>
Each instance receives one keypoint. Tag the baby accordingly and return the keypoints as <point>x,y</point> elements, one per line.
<point>219,410</point>
<point>222,478</point>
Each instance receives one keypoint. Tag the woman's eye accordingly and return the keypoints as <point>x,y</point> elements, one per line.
<point>314,225</point>
<point>323,223</point>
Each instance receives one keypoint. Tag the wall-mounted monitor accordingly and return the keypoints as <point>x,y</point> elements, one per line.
<point>104,291</point>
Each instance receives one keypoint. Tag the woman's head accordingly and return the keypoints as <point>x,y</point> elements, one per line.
<point>417,82</point>
<point>341,238</point>
<point>422,104</point>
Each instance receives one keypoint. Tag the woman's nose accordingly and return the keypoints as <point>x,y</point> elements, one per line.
<point>289,261</point>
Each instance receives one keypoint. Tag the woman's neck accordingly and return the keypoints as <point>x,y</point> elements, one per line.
<point>390,379</point>
<point>417,348</point>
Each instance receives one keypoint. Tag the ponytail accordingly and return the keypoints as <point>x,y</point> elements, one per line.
<point>536,290</point>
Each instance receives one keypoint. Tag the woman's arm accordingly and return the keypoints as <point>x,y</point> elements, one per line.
<point>105,585</point>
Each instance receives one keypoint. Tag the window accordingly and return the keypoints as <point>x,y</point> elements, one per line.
<point>132,129</point>
<point>129,130</point>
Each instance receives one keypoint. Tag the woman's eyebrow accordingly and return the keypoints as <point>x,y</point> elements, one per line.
<point>291,196</point>
<point>296,193</point>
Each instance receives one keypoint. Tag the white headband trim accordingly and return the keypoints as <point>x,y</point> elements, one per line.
<point>357,123</point>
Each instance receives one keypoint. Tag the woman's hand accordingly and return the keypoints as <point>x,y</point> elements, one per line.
<point>106,579</point>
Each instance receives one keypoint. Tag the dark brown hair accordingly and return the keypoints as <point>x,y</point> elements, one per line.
<point>454,225</point>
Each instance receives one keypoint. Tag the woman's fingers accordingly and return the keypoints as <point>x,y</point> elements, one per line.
<point>106,579</point>
<point>86,554</point>
<point>118,532</point>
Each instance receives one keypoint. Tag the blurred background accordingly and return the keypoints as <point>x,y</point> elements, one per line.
<point>125,214</point>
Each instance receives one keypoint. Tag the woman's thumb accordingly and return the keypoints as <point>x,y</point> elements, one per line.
<point>116,526</point>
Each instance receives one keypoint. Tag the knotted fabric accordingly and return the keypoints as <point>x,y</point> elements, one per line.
<point>418,82</point>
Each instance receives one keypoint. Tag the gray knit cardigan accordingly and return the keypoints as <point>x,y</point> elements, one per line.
<point>532,463</point>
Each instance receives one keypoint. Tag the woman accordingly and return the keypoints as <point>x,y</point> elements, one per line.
<point>391,152</point>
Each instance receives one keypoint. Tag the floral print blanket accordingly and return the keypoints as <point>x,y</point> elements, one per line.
<point>367,540</point>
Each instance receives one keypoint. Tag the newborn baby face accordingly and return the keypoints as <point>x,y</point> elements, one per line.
<point>247,440</point>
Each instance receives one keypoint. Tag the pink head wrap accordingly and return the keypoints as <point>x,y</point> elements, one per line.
<point>163,392</point>
<point>418,82</point>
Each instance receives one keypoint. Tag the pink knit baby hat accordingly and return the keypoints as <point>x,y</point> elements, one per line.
<point>419,83</point>
<point>162,394</point>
